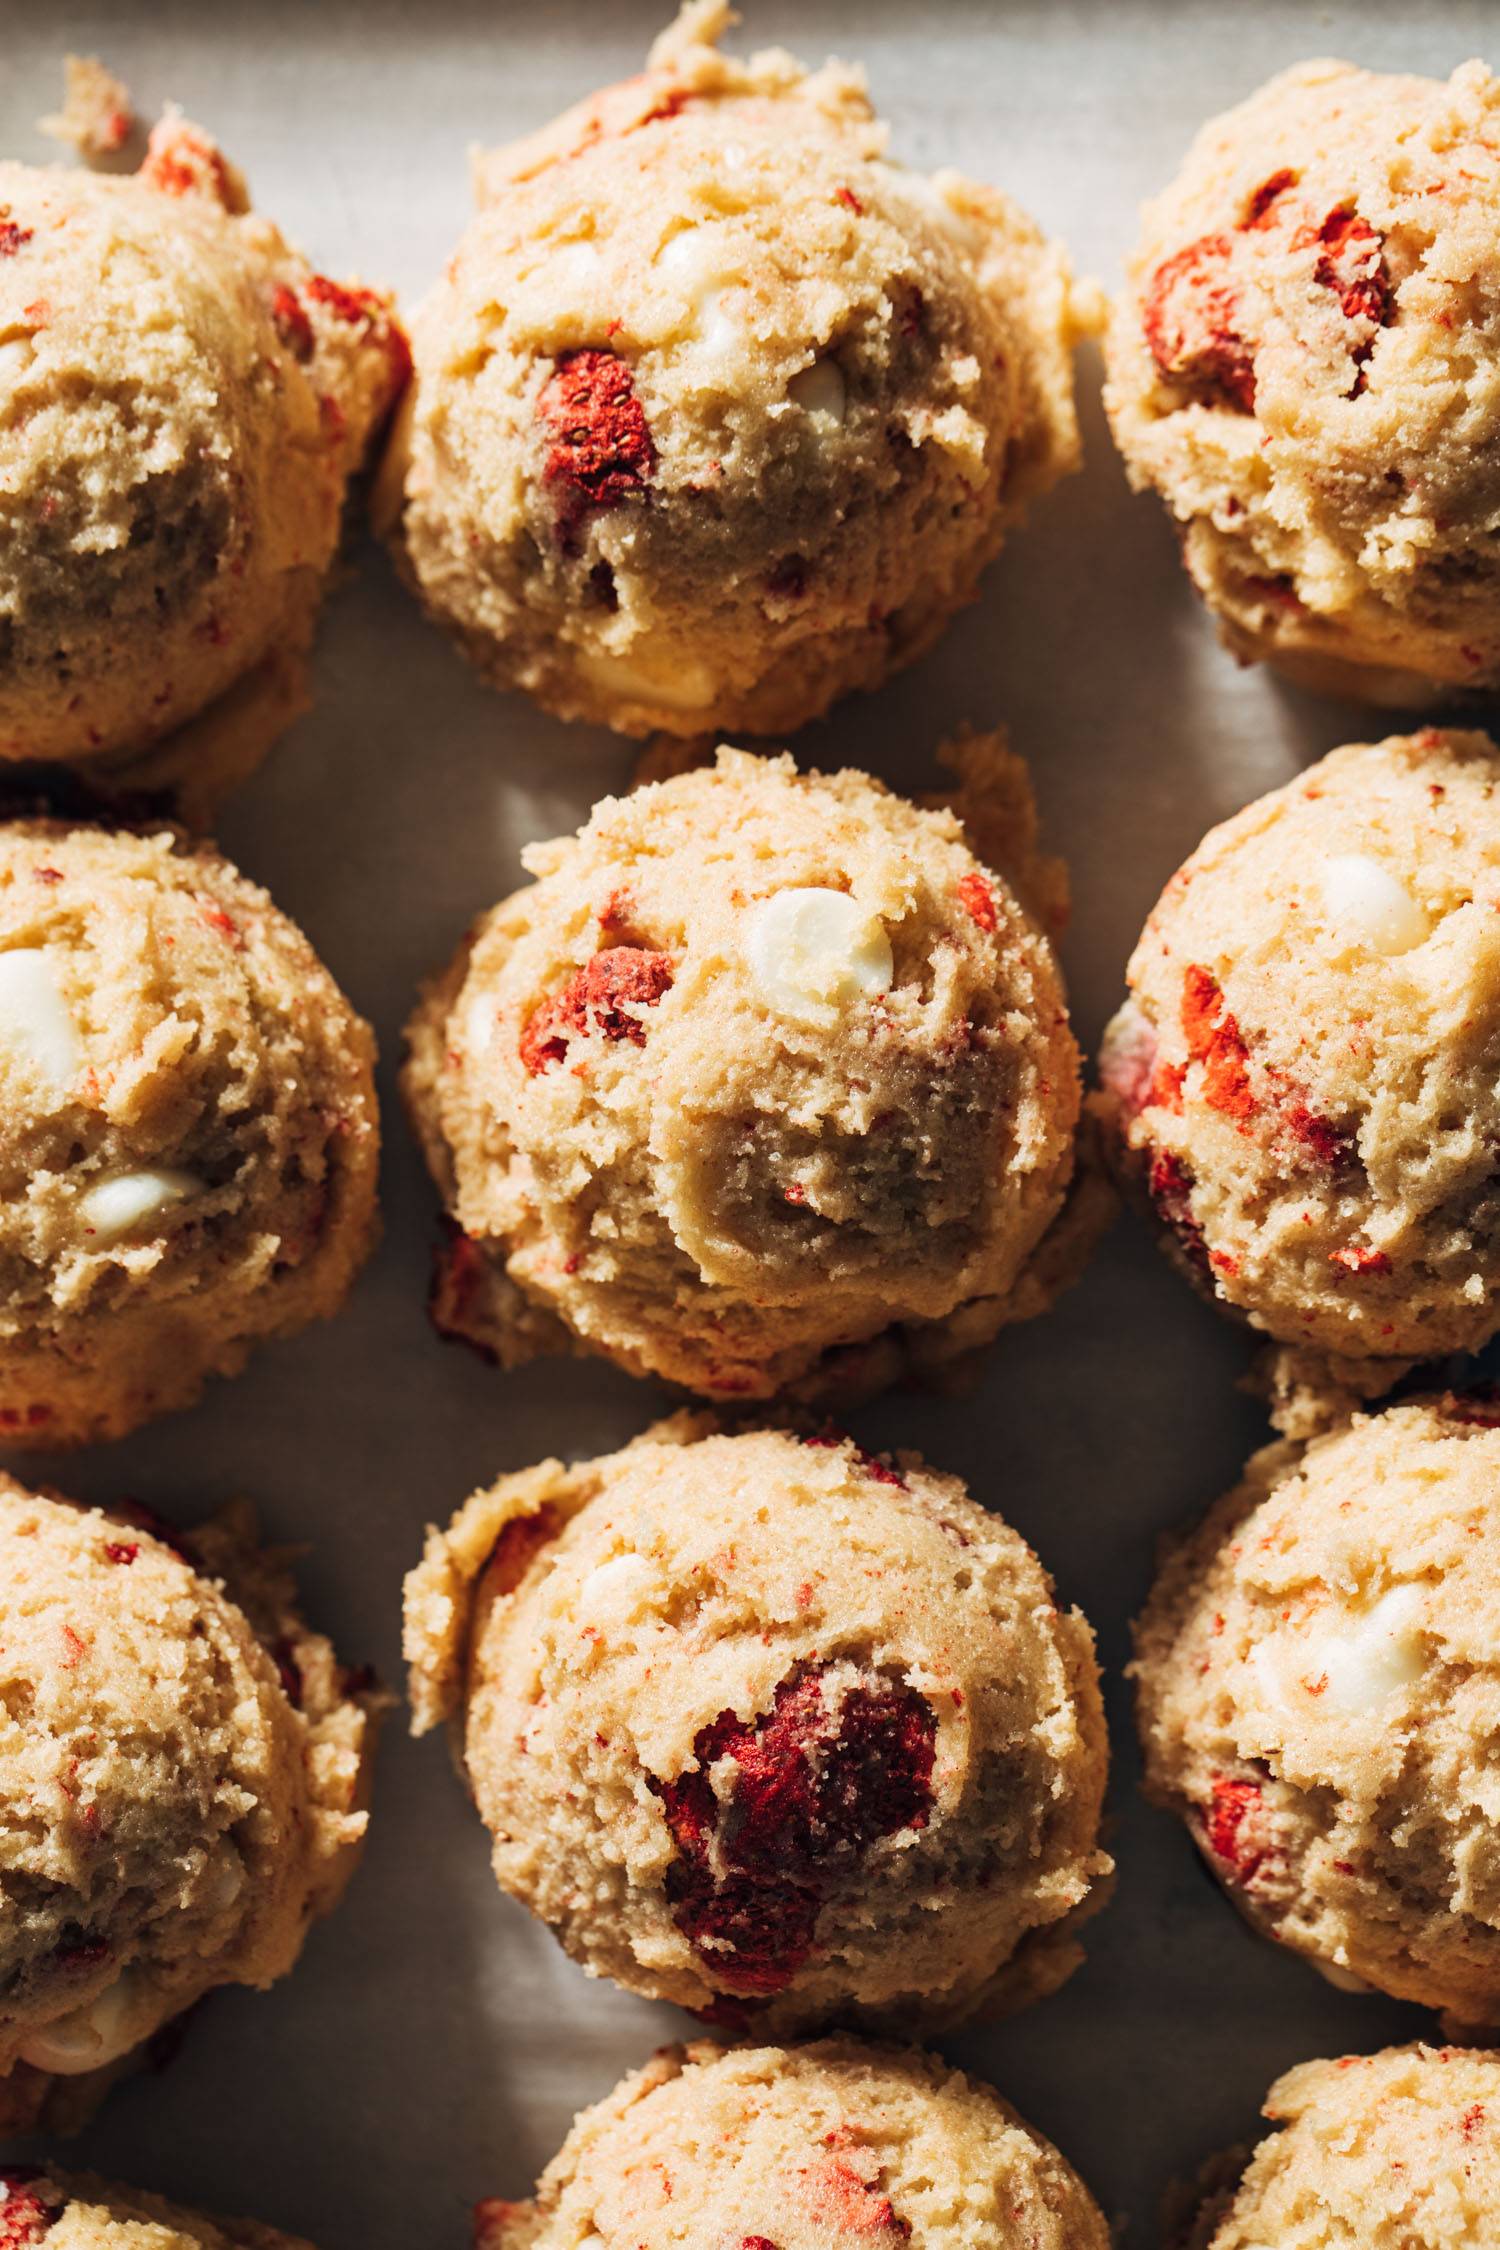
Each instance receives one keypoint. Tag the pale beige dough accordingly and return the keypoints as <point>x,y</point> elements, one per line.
<point>836,2146</point>
<point>182,404</point>
<point>1305,365</point>
<point>183,1771</point>
<point>1395,2151</point>
<point>718,412</point>
<point>188,1130</point>
<point>655,1146</point>
<point>1304,1083</point>
<point>770,1728</point>
<point>1319,1689</point>
<point>76,2211</point>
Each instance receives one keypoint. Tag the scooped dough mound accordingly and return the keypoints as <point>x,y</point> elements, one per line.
<point>1304,1079</point>
<point>75,2211</point>
<point>182,403</point>
<point>718,413</point>
<point>1395,2151</point>
<point>188,1132</point>
<point>1306,366</point>
<point>1319,1688</point>
<point>762,1068</point>
<point>182,1771</point>
<point>826,2146</point>
<point>770,1728</point>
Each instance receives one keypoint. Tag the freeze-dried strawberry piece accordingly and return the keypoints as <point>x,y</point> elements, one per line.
<point>817,1781</point>
<point>842,2198</point>
<point>600,997</point>
<point>1170,1187</point>
<point>978,900</point>
<point>1232,1826</point>
<point>122,1551</point>
<point>181,160</point>
<point>602,451</point>
<point>1258,211</point>
<point>24,2217</point>
<point>871,1463</point>
<point>289,319</point>
<point>13,237</point>
<point>1351,265</point>
<point>522,1539</point>
<point>1355,1258</point>
<point>1191,318</point>
<point>1214,1040</point>
<point>758,2242</point>
<point>458,1274</point>
<point>1478,1406</point>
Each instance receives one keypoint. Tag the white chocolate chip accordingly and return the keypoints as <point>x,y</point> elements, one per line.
<point>225,1882</point>
<point>122,1201</point>
<point>572,264</point>
<point>107,2027</point>
<point>694,260</point>
<point>819,390</point>
<point>35,1022</point>
<point>687,686</point>
<point>1355,1662</point>
<point>619,1589</point>
<point>1367,908</point>
<point>813,951</point>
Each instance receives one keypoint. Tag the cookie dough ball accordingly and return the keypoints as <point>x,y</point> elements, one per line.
<point>182,1775</point>
<point>718,413</point>
<point>188,1133</point>
<point>1306,366</point>
<point>1319,1693</point>
<point>1304,1078</point>
<point>75,2211</point>
<point>182,403</point>
<point>769,1728</point>
<point>762,1067</point>
<point>829,2144</point>
<point>1396,2151</point>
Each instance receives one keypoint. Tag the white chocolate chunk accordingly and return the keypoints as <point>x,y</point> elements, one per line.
<point>618,1590</point>
<point>686,687</point>
<point>572,265</point>
<point>107,2027</point>
<point>819,390</point>
<point>1354,1662</point>
<point>813,951</point>
<point>225,1882</point>
<point>122,1201</point>
<point>35,1022</point>
<point>694,259</point>
<point>1367,908</point>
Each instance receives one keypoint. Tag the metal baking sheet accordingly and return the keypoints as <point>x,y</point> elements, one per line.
<point>434,2043</point>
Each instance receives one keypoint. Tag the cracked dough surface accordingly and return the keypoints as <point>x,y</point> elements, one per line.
<point>183,1767</point>
<point>1305,365</point>
<point>188,1130</point>
<point>765,1726</point>
<point>836,2146</point>
<point>182,404</point>
<point>1395,2151</point>
<point>652,1145</point>
<point>718,412</point>
<point>1319,1691</point>
<point>77,2211</point>
<point>1302,1083</point>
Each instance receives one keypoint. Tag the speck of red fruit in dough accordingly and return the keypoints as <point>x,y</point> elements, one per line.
<point>602,452</point>
<point>601,996</point>
<point>1190,318</point>
<point>817,1784</point>
<point>24,2217</point>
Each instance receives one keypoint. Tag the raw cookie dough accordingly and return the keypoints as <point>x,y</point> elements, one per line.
<point>182,404</point>
<point>1319,1689</point>
<point>765,1081</point>
<point>1304,1078</point>
<point>770,1728</point>
<point>719,413</point>
<point>1306,366</point>
<point>1395,2151</point>
<point>183,1770</point>
<point>188,1132</point>
<point>76,2211</point>
<point>836,2146</point>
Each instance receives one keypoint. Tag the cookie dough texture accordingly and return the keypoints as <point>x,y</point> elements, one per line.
<point>718,413</point>
<point>825,2145</point>
<point>1303,1080</point>
<point>770,1728</point>
<point>1305,365</point>
<point>188,1132</point>
<point>656,1144</point>
<point>1394,2151</point>
<point>183,403</point>
<point>1319,1691</point>
<point>75,2211</point>
<point>182,1780</point>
